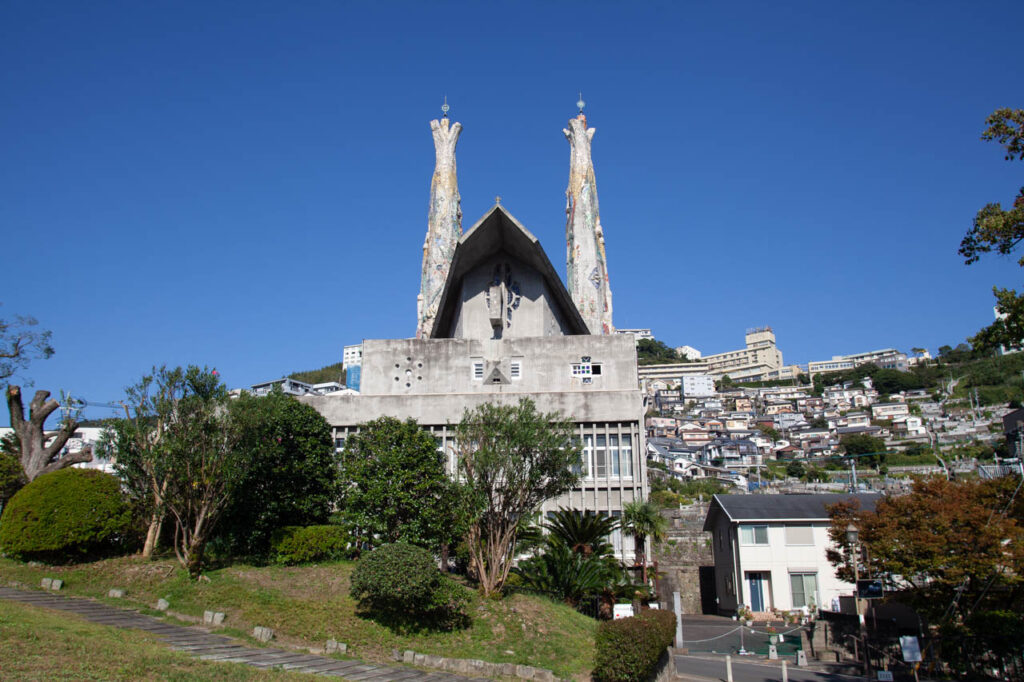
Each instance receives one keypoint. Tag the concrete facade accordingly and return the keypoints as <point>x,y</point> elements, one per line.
<point>505,328</point>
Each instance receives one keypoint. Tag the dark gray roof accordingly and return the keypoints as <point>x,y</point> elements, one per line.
<point>782,507</point>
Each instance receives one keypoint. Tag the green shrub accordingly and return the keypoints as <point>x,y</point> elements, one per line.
<point>402,583</point>
<point>306,544</point>
<point>628,650</point>
<point>66,516</point>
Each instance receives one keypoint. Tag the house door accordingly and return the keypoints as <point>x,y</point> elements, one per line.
<point>756,581</point>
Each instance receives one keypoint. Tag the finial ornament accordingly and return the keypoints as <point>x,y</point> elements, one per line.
<point>497,199</point>
<point>580,103</point>
<point>445,107</point>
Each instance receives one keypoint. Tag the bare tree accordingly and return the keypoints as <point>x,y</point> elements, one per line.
<point>41,449</point>
<point>21,342</point>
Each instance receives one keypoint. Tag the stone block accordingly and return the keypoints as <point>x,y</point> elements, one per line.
<point>332,647</point>
<point>508,669</point>
<point>47,583</point>
<point>116,594</point>
<point>162,605</point>
<point>395,654</point>
<point>525,672</point>
<point>262,634</point>
<point>408,656</point>
<point>801,657</point>
<point>544,675</point>
<point>56,584</point>
<point>432,661</point>
<point>218,618</point>
<point>208,617</point>
<point>773,652</point>
<point>418,659</point>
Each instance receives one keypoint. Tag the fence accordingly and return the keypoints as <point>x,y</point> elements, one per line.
<point>742,639</point>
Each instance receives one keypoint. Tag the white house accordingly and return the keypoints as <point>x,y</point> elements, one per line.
<point>770,550</point>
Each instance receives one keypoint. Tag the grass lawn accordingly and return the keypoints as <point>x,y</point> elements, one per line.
<point>40,644</point>
<point>306,605</point>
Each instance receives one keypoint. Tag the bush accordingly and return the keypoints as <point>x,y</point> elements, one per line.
<point>66,516</point>
<point>306,544</point>
<point>401,582</point>
<point>628,650</point>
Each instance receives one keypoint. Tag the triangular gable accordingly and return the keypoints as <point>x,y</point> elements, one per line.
<point>499,231</point>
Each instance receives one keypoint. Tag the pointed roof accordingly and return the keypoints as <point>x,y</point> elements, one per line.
<point>498,231</point>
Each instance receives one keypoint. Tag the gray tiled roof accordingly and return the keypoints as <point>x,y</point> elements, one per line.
<point>768,507</point>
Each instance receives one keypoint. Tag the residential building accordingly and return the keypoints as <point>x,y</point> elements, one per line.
<point>636,333</point>
<point>697,386</point>
<point>886,358</point>
<point>689,352</point>
<point>760,360</point>
<point>770,551</point>
<point>352,356</point>
<point>889,410</point>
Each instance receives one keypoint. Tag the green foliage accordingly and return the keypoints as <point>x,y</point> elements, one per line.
<point>12,476</point>
<point>628,650</point>
<point>305,544</point>
<point>335,372</point>
<point>568,575</point>
<point>770,432</point>
<point>654,352</point>
<point>512,458</point>
<point>869,450</point>
<point>66,516</point>
<point>401,582</point>
<point>666,499</point>
<point>397,489</point>
<point>795,469</point>
<point>290,473</point>
<point>583,533</point>
<point>999,230</point>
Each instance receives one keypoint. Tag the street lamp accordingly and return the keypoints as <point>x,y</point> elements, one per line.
<point>853,535</point>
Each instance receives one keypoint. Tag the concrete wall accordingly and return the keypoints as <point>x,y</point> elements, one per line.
<point>525,311</point>
<point>445,366</point>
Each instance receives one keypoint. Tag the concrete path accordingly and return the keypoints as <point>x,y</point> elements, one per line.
<point>713,668</point>
<point>209,647</point>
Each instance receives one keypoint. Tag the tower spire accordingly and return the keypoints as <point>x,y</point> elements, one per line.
<point>444,222</point>
<point>586,264</point>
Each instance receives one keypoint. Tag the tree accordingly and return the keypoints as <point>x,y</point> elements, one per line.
<point>20,343</point>
<point>396,488</point>
<point>204,464</point>
<point>179,450</point>
<point>868,449</point>
<point>41,451</point>
<point>291,474</point>
<point>641,519</point>
<point>581,532</point>
<point>136,443</point>
<point>769,432</point>
<point>953,550</point>
<point>654,352</point>
<point>512,458</point>
<point>1000,230</point>
<point>568,575</point>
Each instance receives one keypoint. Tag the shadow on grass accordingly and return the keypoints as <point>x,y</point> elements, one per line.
<point>415,624</point>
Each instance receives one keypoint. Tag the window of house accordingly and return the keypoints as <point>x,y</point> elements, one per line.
<point>581,369</point>
<point>339,444</point>
<point>799,535</point>
<point>805,589</point>
<point>753,535</point>
<point>478,370</point>
<point>515,369</point>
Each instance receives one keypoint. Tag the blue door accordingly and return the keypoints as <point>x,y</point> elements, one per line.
<point>756,583</point>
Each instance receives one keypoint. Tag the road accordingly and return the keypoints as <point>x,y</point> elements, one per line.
<point>714,668</point>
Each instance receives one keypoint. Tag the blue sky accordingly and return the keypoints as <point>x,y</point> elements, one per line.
<point>245,185</point>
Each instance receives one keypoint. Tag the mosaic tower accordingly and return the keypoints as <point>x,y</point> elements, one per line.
<point>444,224</point>
<point>586,265</point>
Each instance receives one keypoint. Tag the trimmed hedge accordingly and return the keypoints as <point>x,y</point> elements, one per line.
<point>306,544</point>
<point>402,582</point>
<point>66,516</point>
<point>628,650</point>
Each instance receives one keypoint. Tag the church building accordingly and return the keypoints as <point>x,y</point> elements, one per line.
<point>496,324</point>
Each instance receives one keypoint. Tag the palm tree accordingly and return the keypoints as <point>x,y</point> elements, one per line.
<point>641,519</point>
<point>582,533</point>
